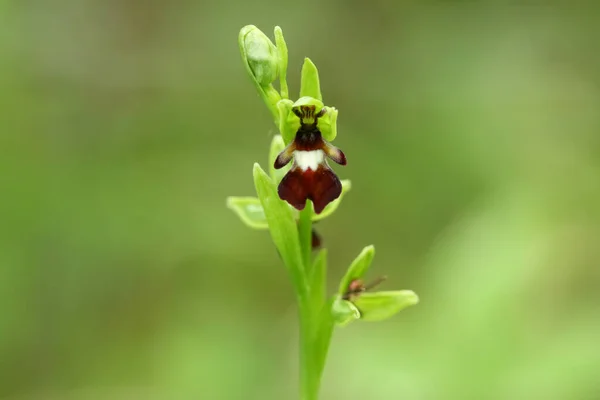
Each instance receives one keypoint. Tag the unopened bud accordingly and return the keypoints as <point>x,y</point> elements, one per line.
<point>261,55</point>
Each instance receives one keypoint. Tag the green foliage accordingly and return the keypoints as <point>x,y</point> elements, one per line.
<point>382,305</point>
<point>291,231</point>
<point>250,211</point>
<point>471,130</point>
<point>283,229</point>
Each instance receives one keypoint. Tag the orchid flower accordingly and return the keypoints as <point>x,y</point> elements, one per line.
<point>310,177</point>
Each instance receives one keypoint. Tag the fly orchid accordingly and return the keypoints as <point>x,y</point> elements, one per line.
<point>306,127</point>
<point>310,177</point>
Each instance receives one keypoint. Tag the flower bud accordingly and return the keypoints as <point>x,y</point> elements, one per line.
<point>261,55</point>
<point>343,311</point>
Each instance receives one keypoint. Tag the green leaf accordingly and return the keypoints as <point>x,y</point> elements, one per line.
<point>282,227</point>
<point>331,207</point>
<point>343,311</point>
<point>322,335</point>
<point>382,305</point>
<point>283,62</point>
<point>249,210</point>
<point>309,84</point>
<point>357,269</point>
<point>277,146</point>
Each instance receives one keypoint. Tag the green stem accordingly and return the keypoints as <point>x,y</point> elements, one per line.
<point>316,324</point>
<point>306,350</point>
<point>308,380</point>
<point>305,233</point>
<point>315,336</point>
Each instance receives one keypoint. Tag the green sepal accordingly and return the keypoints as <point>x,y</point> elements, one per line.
<point>309,83</point>
<point>282,226</point>
<point>277,146</point>
<point>358,268</point>
<point>378,306</point>
<point>289,123</point>
<point>249,210</point>
<point>331,207</point>
<point>328,124</point>
<point>343,312</point>
<point>283,62</point>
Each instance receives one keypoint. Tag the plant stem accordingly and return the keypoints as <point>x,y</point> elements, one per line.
<point>308,383</point>
<point>305,233</point>
<point>316,325</point>
<point>306,351</point>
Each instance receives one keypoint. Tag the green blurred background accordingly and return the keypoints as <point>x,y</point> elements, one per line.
<point>472,130</point>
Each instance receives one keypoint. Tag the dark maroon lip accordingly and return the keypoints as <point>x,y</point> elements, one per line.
<point>322,185</point>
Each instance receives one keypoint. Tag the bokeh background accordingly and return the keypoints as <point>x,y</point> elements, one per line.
<point>472,130</point>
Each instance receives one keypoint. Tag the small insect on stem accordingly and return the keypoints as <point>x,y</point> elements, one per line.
<point>357,286</point>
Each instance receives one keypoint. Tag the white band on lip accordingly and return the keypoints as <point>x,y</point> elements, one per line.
<point>308,159</point>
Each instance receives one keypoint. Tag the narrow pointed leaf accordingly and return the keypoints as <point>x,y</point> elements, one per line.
<point>358,268</point>
<point>249,210</point>
<point>382,305</point>
<point>282,227</point>
<point>323,335</point>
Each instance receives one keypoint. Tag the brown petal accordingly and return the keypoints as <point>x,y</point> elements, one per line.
<point>334,153</point>
<point>285,156</point>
